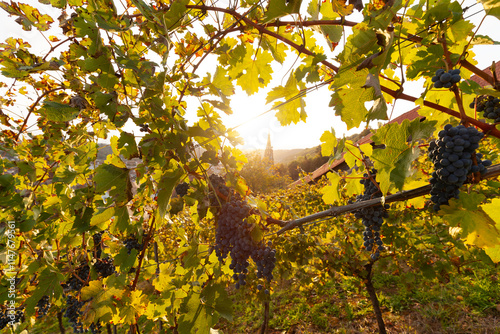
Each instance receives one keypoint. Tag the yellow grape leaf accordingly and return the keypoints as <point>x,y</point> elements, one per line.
<point>352,154</point>
<point>157,310</point>
<point>353,186</point>
<point>329,141</point>
<point>133,308</point>
<point>331,192</point>
<point>367,149</point>
<point>163,280</point>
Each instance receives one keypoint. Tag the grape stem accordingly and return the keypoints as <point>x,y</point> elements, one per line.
<point>491,172</point>
<point>458,98</point>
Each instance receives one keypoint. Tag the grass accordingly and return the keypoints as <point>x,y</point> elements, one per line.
<point>467,303</point>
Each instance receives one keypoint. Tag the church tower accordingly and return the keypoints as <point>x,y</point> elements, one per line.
<point>268,154</point>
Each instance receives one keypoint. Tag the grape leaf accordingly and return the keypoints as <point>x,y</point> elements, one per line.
<point>166,185</point>
<point>58,112</point>
<point>49,283</point>
<point>28,16</point>
<point>279,8</point>
<point>110,177</point>
<point>491,7</point>
<point>253,72</point>
<point>477,224</point>
<point>349,101</point>
<point>331,192</point>
<point>401,149</point>
<point>329,141</point>
<point>291,108</point>
<point>195,318</point>
<point>216,298</point>
<point>102,215</point>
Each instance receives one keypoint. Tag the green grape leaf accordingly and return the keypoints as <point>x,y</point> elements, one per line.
<point>200,312</point>
<point>216,298</point>
<point>477,222</point>
<point>55,3</point>
<point>58,112</point>
<point>124,260</point>
<point>175,16</point>
<point>145,10</point>
<point>349,101</point>
<point>49,284</point>
<point>333,34</point>
<point>401,149</point>
<point>169,179</point>
<point>101,299</point>
<point>279,8</point>
<point>109,177</point>
<point>125,145</point>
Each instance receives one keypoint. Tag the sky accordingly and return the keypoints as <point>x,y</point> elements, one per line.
<point>254,130</point>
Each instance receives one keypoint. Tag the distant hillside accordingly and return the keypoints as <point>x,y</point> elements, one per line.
<point>286,156</point>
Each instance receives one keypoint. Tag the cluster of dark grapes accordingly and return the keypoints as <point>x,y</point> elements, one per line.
<point>95,328</point>
<point>97,237</point>
<point>132,243</point>
<point>219,191</point>
<point>181,189</point>
<point>5,319</point>
<point>42,307</point>
<point>144,128</point>
<point>372,217</point>
<point>233,236</point>
<point>446,79</point>
<point>265,260</point>
<point>81,273</point>
<point>488,105</point>
<point>104,267</point>
<point>453,155</point>
<point>73,313</point>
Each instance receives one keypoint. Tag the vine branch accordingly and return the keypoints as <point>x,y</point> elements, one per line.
<point>491,172</point>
